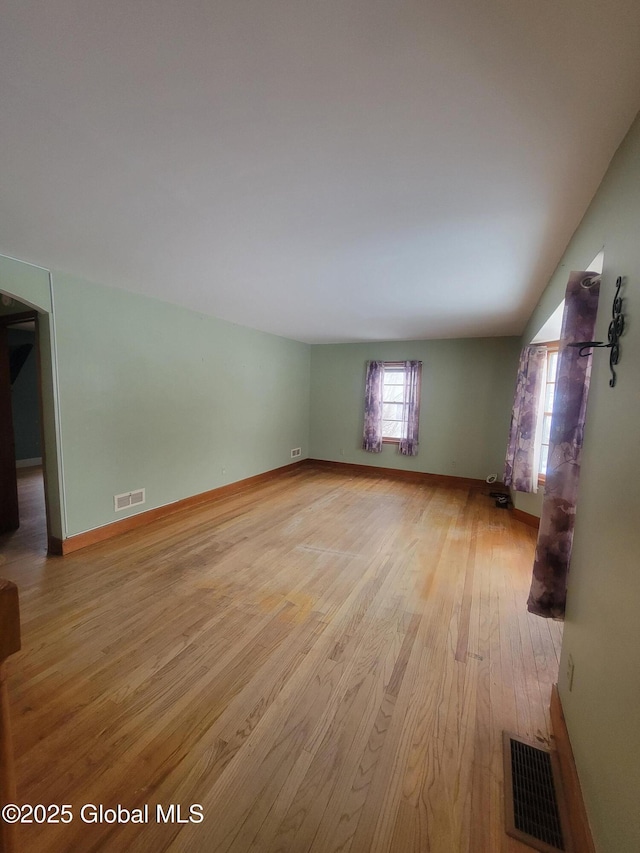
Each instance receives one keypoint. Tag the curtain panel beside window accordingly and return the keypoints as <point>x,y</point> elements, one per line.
<point>372,433</point>
<point>555,537</point>
<point>521,465</point>
<point>412,378</point>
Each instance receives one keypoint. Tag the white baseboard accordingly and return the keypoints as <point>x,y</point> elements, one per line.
<point>29,463</point>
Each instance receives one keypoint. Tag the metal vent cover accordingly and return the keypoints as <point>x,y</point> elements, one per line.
<point>122,501</point>
<point>128,499</point>
<point>534,803</point>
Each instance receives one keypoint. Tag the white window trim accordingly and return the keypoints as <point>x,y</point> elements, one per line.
<point>398,367</point>
<point>552,346</point>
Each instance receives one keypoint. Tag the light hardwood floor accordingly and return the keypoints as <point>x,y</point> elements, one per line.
<point>323,662</point>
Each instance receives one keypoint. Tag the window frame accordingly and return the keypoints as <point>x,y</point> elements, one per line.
<point>395,366</point>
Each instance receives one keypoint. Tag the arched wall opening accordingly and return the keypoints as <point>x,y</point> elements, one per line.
<point>26,290</point>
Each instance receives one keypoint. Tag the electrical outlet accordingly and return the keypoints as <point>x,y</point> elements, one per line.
<point>570,671</point>
<point>295,452</point>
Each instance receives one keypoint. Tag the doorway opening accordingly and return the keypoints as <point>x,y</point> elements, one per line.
<point>23,506</point>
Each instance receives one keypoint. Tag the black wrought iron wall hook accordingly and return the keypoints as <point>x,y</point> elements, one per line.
<point>616,328</point>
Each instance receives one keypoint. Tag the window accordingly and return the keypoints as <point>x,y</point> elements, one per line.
<point>548,393</point>
<point>392,406</point>
<point>394,402</point>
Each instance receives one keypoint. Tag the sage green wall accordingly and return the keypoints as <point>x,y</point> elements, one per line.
<point>467,393</point>
<point>26,283</point>
<point>528,502</point>
<point>155,396</point>
<point>13,308</point>
<point>602,628</point>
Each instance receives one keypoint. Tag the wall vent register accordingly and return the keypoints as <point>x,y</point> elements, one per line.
<point>128,499</point>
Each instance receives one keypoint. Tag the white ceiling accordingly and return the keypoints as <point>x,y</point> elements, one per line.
<point>327,170</point>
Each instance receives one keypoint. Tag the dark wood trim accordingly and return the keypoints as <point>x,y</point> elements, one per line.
<point>9,619</point>
<point>54,546</point>
<point>398,474</point>
<point>59,547</point>
<point>22,317</point>
<point>579,822</point>
<point>526,518</point>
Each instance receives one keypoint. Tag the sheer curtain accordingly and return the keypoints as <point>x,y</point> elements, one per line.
<point>521,463</point>
<point>555,538</point>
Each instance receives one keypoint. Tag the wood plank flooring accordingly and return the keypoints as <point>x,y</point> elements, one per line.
<point>323,663</point>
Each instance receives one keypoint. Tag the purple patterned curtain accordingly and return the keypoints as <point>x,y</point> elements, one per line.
<point>372,433</point>
<point>409,443</point>
<point>520,465</point>
<point>555,538</point>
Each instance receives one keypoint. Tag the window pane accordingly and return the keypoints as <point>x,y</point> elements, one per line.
<point>548,400</point>
<point>392,411</point>
<point>391,429</point>
<point>553,366</point>
<point>546,429</point>
<point>393,377</point>
<point>394,406</point>
<point>393,394</point>
<point>544,455</point>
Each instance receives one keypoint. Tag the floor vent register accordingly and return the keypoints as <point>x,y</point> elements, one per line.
<point>534,804</point>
